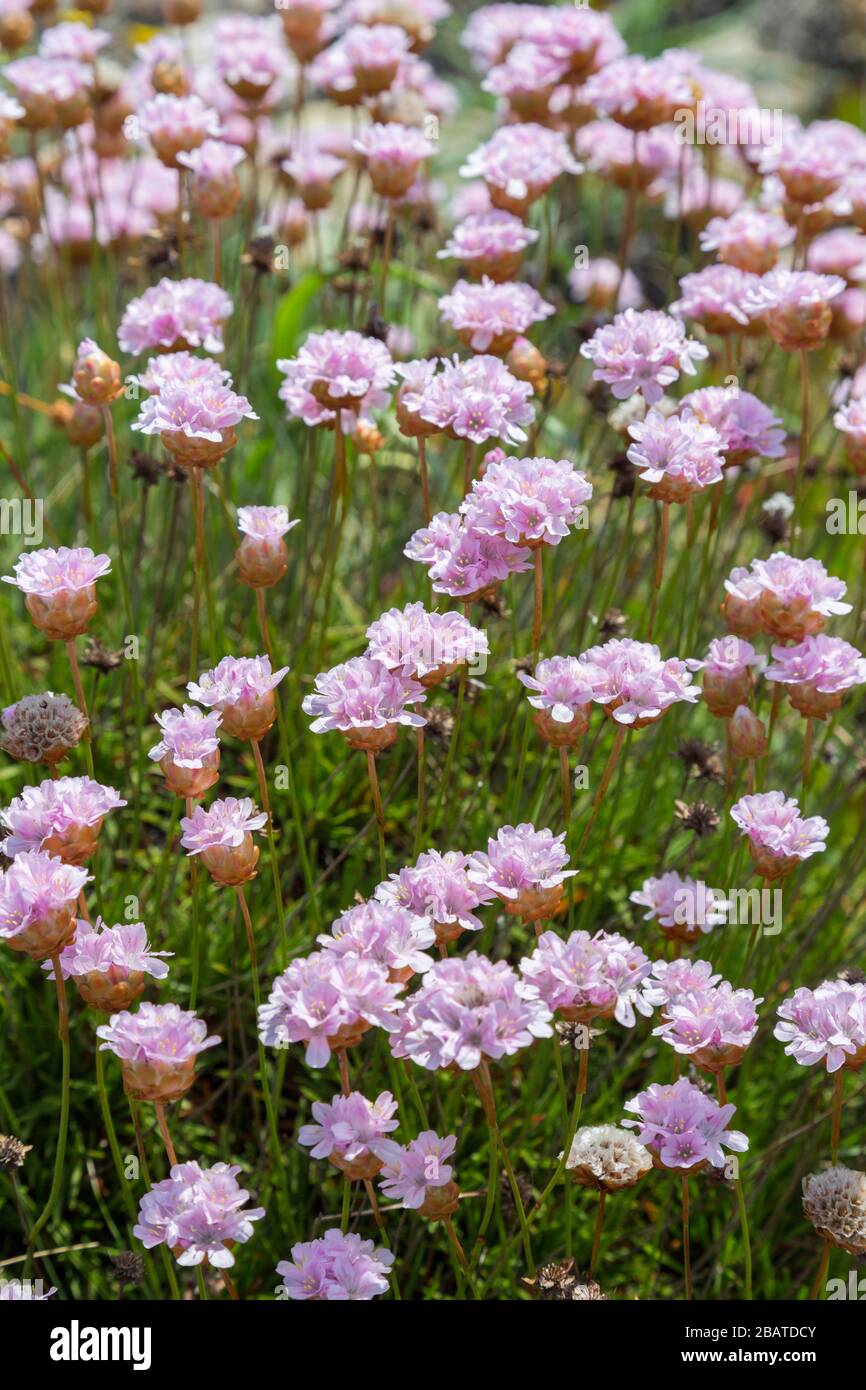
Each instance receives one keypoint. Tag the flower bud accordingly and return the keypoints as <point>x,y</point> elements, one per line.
<point>748,735</point>
<point>95,376</point>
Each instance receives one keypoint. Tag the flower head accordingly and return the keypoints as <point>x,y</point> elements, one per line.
<point>157,1046</point>
<point>37,901</point>
<point>439,888</point>
<point>528,501</point>
<point>340,369</point>
<point>489,243</point>
<point>328,1001</point>
<point>108,964</point>
<point>195,420</point>
<point>835,1202</point>
<point>393,154</point>
<point>786,597</point>
<point>424,646</point>
<point>779,837</point>
<point>487,316</point>
<point>640,92</point>
<point>747,427</point>
<point>607,1158</point>
<point>797,306</point>
<point>385,932</point>
<point>188,752</point>
<point>466,1009</point>
<point>61,816</point>
<point>175,314</point>
<point>561,694</point>
<point>419,1177</point>
<point>352,1132</point>
<point>826,1025</point>
<point>634,683</point>
<point>223,835</point>
<point>197,1213</point>
<point>174,124</point>
<point>526,869</point>
<point>520,163</point>
<point>712,1026</point>
<point>336,1267</point>
<point>262,555</point>
<point>42,728</point>
<point>720,297</point>
<point>682,907</point>
<point>817,672</point>
<point>59,588</point>
<point>242,689</point>
<point>683,1128</point>
<point>727,670</point>
<point>678,455</point>
<point>642,351</point>
<point>475,400</point>
<point>749,239</point>
<point>584,977</point>
<point>365,701</point>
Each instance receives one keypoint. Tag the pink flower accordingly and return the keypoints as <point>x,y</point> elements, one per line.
<point>528,501</point>
<point>352,1132</point>
<point>476,400</point>
<point>37,903</point>
<point>850,420</point>
<point>642,352</point>
<point>393,154</point>
<point>519,164</point>
<point>181,369</point>
<point>216,189</point>
<point>340,369</point>
<point>790,598</point>
<point>109,964</point>
<point>526,869</point>
<point>425,646</point>
<point>810,165</point>
<point>223,836</point>
<point>157,1046</point>
<point>720,297</point>
<point>598,284</point>
<point>384,932</point>
<point>713,1026</point>
<point>582,39</point>
<point>779,837</point>
<point>61,816</point>
<point>336,1267</point>
<point>242,689</point>
<point>175,314</point>
<point>262,555</point>
<point>826,1025</point>
<point>188,752</point>
<point>839,252</point>
<point>678,455</point>
<point>526,80</point>
<point>682,908</point>
<point>492,30</point>
<point>562,694</point>
<point>364,700</point>
<point>59,588</point>
<point>52,91</point>
<point>633,682</point>
<point>195,420</point>
<point>684,1128</point>
<point>374,54</point>
<point>328,1001</point>
<point>727,670</point>
<point>438,887</point>
<point>671,981</point>
<point>419,1178</point>
<point>817,672</point>
<point>614,153</point>
<point>487,316</point>
<point>468,1009</point>
<point>747,426</point>
<point>749,239</point>
<point>197,1213</point>
<point>489,243</point>
<point>471,564</point>
<point>174,124</point>
<point>640,92</point>
<point>585,977</point>
<point>313,173</point>
<point>796,305</point>
<point>76,41</point>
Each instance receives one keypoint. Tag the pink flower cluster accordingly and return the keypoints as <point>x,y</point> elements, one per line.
<point>336,1268</point>
<point>586,977</point>
<point>683,1128</point>
<point>328,1001</point>
<point>826,1025</point>
<point>642,351</point>
<point>198,1213</point>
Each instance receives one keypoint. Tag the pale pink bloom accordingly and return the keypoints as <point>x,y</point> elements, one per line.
<point>683,1127</point>
<point>678,455</point>
<point>817,672</point>
<point>109,964</point>
<point>713,1026</point>
<point>642,352</point>
<point>61,815</point>
<point>520,163</point>
<point>492,30</point>
<point>826,1025</point>
<point>439,888</point>
<point>612,152</point>
<point>175,314</point>
<point>475,563</point>
<point>489,316</point>
<point>633,682</point>
<point>839,252</point>
<point>528,501</point>
<point>416,1175</point>
<point>680,903</point>
<point>340,369</point>
<point>79,42</point>
<point>794,597</point>
<point>468,1009</point>
<point>242,689</point>
<point>393,154</point>
<point>265,523</point>
<point>746,425</point>
<point>200,409</point>
<point>197,1213</point>
<point>328,1001</point>
<point>188,752</point>
<point>222,825</point>
<point>561,687</point>
<point>720,297</point>
<point>422,645</point>
<point>779,837</point>
<point>671,981</point>
<point>585,977</point>
<point>336,1268</point>
<point>351,1128</point>
<point>850,420</point>
<point>640,92</point>
<point>701,198</point>
<point>313,173</point>
<point>38,894</point>
<point>384,932</point>
<point>174,124</point>
<point>374,53</point>
<point>361,698</point>
<point>489,243</point>
<point>181,369</point>
<point>727,670</point>
<point>599,283</point>
<point>796,306</point>
<point>581,38</point>
<point>479,399</point>
<point>434,542</point>
<point>749,239</point>
<point>526,869</point>
<point>810,163</point>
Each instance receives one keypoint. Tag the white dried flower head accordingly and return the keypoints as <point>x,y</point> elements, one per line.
<point>835,1203</point>
<point>607,1158</point>
<point>42,728</point>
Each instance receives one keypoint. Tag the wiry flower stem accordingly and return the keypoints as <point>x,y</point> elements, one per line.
<point>596,1239</point>
<point>272,845</point>
<point>81,702</point>
<point>63,1129</point>
<point>613,758</point>
<point>836,1127</point>
<point>687,1250</point>
<point>378,808</point>
<point>164,1131</point>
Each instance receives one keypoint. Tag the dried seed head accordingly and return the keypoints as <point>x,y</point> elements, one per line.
<point>128,1267</point>
<point>699,816</point>
<point>607,1158</point>
<point>701,760</point>
<point>835,1203</point>
<point>12,1153</point>
<point>42,728</point>
<point>95,654</point>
